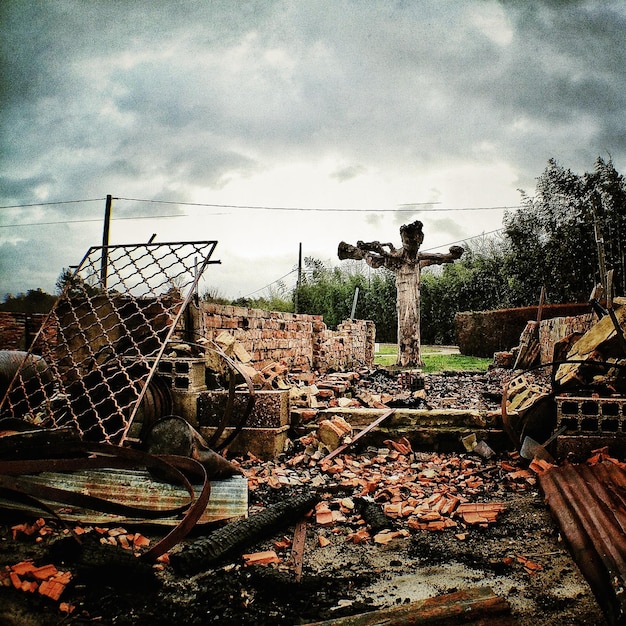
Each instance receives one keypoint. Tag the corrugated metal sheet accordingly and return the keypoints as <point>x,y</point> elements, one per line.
<point>589,504</point>
<point>228,499</point>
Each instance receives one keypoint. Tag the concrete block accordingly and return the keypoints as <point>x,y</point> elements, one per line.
<point>591,415</point>
<point>578,448</point>
<point>264,443</point>
<point>271,409</point>
<point>182,374</point>
<point>185,405</point>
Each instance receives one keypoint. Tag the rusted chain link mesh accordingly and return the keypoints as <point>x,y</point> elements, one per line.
<point>94,358</point>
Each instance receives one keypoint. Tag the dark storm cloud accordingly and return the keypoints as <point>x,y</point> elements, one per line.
<point>161,99</point>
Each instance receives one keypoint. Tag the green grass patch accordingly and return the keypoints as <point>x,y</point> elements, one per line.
<point>454,362</point>
<point>435,359</point>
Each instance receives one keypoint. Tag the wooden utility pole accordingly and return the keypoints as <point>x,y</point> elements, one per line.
<point>105,243</point>
<point>595,205</point>
<point>295,305</point>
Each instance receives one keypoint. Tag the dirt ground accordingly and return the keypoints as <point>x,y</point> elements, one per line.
<point>520,556</point>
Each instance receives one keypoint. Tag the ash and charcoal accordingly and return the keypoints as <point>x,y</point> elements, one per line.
<point>448,389</point>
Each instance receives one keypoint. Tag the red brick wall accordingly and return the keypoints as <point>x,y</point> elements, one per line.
<point>350,346</point>
<point>302,341</point>
<point>17,330</point>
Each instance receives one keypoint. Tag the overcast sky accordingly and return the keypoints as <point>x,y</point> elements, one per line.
<point>334,114</point>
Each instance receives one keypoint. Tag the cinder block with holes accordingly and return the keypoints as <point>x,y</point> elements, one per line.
<point>591,415</point>
<point>183,374</point>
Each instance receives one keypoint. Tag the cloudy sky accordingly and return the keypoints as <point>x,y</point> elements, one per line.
<point>264,124</point>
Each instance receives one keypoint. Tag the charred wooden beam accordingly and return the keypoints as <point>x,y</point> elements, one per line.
<point>226,541</point>
<point>474,606</point>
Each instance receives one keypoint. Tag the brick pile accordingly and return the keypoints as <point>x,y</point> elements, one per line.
<point>48,581</point>
<point>17,330</point>
<point>415,491</point>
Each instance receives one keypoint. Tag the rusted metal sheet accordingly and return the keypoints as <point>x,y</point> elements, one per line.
<point>589,504</point>
<point>228,499</point>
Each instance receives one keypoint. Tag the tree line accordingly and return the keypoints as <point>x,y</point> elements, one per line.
<point>558,239</point>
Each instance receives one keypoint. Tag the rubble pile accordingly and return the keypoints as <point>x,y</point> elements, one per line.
<point>415,491</point>
<point>385,388</point>
<point>383,511</point>
<point>392,469</point>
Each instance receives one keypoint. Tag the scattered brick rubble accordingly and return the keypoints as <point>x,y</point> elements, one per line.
<point>46,579</point>
<point>416,491</point>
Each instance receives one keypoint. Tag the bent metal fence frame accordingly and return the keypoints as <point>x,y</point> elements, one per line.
<point>98,349</point>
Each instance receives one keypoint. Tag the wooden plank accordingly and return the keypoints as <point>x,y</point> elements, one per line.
<point>528,347</point>
<point>588,348</point>
<point>358,436</point>
<point>459,607</point>
<point>297,548</point>
<point>542,298</point>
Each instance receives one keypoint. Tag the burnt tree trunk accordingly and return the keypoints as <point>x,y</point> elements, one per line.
<point>408,305</point>
<point>406,263</point>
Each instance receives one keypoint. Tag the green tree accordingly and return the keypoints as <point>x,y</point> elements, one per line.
<point>552,237</point>
<point>277,298</point>
<point>76,286</point>
<point>476,282</point>
<point>327,291</point>
<point>213,295</point>
<point>33,301</point>
<point>610,188</point>
<point>330,292</point>
<point>378,303</point>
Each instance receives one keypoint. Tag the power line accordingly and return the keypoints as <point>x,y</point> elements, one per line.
<point>430,209</point>
<point>278,208</point>
<point>273,208</point>
<point>489,232</point>
<point>483,234</point>
<point>24,206</point>
<point>270,284</point>
<point>114,219</point>
<point>472,208</point>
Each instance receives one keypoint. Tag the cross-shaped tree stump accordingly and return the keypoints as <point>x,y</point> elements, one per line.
<point>406,263</point>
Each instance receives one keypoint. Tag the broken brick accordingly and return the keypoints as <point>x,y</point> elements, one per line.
<point>44,572</point>
<point>261,558</point>
<point>23,567</point>
<point>480,513</point>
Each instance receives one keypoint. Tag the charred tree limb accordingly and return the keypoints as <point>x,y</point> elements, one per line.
<point>373,515</point>
<point>226,541</point>
<point>475,606</point>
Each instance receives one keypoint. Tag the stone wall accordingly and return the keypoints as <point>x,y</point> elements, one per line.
<point>482,333</point>
<point>303,342</point>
